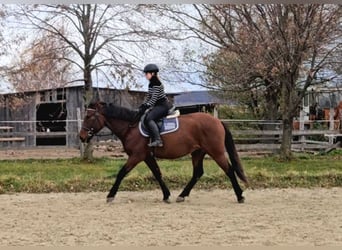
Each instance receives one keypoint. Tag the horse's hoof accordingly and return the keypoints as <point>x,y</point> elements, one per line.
<point>180,199</point>
<point>110,199</point>
<point>241,200</point>
<point>168,201</point>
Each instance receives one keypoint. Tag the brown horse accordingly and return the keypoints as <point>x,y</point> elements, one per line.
<point>338,116</point>
<point>198,134</point>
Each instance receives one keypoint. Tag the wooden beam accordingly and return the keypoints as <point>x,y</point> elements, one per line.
<point>50,134</point>
<point>9,139</point>
<point>272,146</point>
<point>280,132</point>
<point>332,147</point>
<point>5,128</point>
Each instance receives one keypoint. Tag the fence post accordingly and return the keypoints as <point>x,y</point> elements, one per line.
<point>331,119</point>
<point>331,124</point>
<point>301,128</point>
<point>79,126</point>
<point>215,111</point>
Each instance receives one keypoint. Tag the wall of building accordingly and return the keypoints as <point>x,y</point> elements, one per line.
<point>26,114</point>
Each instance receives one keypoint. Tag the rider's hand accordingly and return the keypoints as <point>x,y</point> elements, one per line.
<point>143,108</point>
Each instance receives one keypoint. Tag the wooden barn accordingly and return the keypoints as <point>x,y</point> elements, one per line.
<point>52,117</point>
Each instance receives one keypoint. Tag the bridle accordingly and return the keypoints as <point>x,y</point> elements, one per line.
<point>95,116</point>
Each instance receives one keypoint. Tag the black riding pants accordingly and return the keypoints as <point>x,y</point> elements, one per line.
<point>157,112</point>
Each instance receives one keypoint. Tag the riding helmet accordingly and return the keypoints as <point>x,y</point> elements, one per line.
<point>151,68</point>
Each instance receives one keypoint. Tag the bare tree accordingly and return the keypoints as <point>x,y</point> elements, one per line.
<point>278,48</point>
<point>40,65</point>
<point>3,44</point>
<point>98,36</point>
<point>102,38</point>
<point>5,86</point>
<point>2,17</point>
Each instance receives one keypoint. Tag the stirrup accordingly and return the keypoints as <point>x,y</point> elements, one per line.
<point>156,143</point>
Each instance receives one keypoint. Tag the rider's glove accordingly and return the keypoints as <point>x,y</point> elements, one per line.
<point>143,108</point>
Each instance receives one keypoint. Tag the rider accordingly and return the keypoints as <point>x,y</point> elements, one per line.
<point>157,101</point>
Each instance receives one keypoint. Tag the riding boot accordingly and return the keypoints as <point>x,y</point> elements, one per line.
<point>154,130</point>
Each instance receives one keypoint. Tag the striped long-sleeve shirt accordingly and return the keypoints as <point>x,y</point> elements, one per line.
<point>156,93</point>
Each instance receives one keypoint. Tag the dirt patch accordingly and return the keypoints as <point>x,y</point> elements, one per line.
<point>111,150</point>
<point>269,217</point>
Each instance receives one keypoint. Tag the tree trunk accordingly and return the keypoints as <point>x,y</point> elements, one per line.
<point>285,148</point>
<point>87,154</point>
<point>286,103</point>
<point>271,113</point>
<point>272,102</point>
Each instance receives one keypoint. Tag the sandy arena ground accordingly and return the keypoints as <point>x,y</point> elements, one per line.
<point>270,217</point>
<point>56,152</point>
<point>300,217</point>
<point>63,152</point>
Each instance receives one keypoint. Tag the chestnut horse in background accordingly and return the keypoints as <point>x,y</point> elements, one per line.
<point>198,134</point>
<point>338,116</point>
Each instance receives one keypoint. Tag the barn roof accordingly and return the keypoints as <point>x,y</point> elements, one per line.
<point>202,97</point>
<point>6,89</point>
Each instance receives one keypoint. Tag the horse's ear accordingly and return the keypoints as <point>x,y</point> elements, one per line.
<point>91,105</point>
<point>100,105</point>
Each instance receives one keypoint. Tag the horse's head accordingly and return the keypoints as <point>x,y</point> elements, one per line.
<point>93,122</point>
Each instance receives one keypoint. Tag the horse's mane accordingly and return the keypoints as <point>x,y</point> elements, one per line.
<point>118,112</point>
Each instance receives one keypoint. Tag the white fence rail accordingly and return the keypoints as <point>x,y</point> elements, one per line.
<point>249,135</point>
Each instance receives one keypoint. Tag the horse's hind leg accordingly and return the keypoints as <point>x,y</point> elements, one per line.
<point>152,164</point>
<point>222,161</point>
<point>197,163</point>
<point>235,184</point>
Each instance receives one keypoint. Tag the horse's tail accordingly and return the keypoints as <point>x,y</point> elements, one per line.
<point>233,155</point>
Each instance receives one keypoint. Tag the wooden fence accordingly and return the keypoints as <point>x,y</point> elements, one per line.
<point>22,134</point>
<point>7,136</point>
<point>311,136</point>
<point>249,135</point>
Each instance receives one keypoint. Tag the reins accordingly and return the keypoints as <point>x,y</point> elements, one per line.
<point>95,115</point>
<point>91,130</point>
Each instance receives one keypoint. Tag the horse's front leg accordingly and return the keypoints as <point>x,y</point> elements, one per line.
<point>130,164</point>
<point>152,164</point>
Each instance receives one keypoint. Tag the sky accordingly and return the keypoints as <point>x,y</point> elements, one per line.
<point>166,58</point>
<point>163,58</point>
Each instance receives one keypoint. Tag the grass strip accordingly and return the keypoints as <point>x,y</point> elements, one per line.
<point>74,175</point>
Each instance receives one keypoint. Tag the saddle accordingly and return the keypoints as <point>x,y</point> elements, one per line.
<point>166,125</point>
